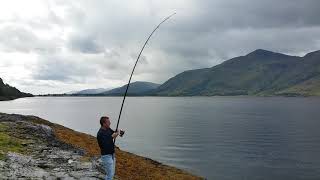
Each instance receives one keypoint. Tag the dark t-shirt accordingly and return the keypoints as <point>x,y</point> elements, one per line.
<point>105,141</point>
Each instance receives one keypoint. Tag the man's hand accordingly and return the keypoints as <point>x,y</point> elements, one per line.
<point>116,134</point>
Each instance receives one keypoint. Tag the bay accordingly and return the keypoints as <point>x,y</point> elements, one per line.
<point>215,137</point>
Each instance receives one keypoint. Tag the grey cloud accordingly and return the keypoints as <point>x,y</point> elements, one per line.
<point>259,13</point>
<point>215,31</point>
<point>80,68</point>
<point>223,29</point>
<point>142,59</point>
<point>85,45</point>
<point>106,36</point>
<point>16,38</point>
<point>58,68</point>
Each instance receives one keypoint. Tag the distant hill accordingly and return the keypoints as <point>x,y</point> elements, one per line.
<point>261,72</point>
<point>135,88</point>
<point>89,91</point>
<point>8,92</point>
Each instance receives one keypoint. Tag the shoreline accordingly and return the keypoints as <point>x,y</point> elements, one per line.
<point>81,145</point>
<point>238,96</point>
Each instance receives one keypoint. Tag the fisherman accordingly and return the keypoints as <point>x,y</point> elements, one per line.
<point>105,137</point>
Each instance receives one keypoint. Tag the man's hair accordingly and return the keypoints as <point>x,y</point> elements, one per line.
<point>103,119</point>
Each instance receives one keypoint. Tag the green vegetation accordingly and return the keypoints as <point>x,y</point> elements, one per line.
<point>8,92</point>
<point>136,88</point>
<point>7,143</point>
<point>260,73</point>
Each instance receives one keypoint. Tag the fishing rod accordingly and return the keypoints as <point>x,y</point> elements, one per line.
<point>134,67</point>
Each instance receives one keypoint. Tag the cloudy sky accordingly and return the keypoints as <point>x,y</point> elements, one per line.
<point>57,46</point>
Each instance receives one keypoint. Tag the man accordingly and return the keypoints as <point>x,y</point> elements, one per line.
<point>105,137</point>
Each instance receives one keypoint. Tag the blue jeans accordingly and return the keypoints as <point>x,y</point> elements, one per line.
<point>109,164</point>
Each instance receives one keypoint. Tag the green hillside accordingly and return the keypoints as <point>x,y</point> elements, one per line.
<point>261,72</point>
<point>135,88</point>
<point>9,93</point>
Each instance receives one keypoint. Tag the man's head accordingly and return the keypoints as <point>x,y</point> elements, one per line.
<point>105,121</point>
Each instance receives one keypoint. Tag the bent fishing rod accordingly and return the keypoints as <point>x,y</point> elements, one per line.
<point>134,67</point>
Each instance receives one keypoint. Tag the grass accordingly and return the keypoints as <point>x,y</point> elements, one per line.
<point>7,143</point>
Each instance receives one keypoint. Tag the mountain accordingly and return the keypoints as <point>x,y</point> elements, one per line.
<point>89,91</point>
<point>261,72</point>
<point>135,88</point>
<point>9,93</point>
<point>71,92</point>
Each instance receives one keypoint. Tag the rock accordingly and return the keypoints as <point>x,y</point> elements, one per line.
<point>20,166</point>
<point>2,163</point>
<point>64,165</point>
<point>45,157</point>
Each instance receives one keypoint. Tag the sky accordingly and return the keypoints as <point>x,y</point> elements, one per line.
<point>57,46</point>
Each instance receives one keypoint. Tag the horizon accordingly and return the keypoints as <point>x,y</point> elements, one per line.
<point>56,47</point>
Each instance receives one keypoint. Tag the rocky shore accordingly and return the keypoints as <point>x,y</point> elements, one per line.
<point>33,148</point>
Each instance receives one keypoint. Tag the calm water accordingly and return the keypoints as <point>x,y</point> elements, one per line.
<point>216,137</point>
